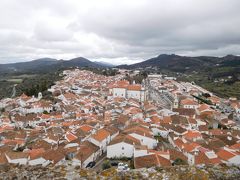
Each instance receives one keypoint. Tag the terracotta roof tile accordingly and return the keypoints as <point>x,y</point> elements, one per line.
<point>35,153</point>
<point>134,87</point>
<point>100,135</point>
<point>225,155</point>
<point>86,128</point>
<point>70,137</point>
<point>150,161</point>
<point>189,102</point>
<point>192,134</point>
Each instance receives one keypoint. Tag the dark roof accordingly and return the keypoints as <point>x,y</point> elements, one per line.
<point>184,111</point>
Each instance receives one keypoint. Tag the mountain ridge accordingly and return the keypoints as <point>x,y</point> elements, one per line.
<point>183,63</point>
<point>104,63</point>
<point>46,64</point>
<point>171,62</point>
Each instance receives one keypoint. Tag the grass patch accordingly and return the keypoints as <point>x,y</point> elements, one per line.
<point>17,81</point>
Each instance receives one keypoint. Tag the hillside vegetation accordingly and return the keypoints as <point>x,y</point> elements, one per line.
<point>220,75</point>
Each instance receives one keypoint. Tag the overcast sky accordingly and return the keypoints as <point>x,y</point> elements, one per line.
<point>117,31</point>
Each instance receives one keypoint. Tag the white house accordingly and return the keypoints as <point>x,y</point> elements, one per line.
<point>140,151</point>
<point>160,131</point>
<point>125,90</point>
<point>119,92</point>
<point>36,161</point>
<point>122,146</point>
<point>144,135</point>
<point>87,153</point>
<point>101,138</point>
<point>35,157</point>
<point>113,132</point>
<point>54,156</point>
<point>189,104</point>
<point>149,141</point>
<point>17,157</point>
<point>137,92</point>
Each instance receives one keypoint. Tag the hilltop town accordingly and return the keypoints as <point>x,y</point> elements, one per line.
<point>97,121</point>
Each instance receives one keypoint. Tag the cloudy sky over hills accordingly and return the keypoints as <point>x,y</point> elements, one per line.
<point>125,31</point>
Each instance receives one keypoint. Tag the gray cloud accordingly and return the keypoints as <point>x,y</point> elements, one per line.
<point>117,31</point>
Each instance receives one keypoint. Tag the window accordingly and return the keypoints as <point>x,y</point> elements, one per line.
<point>122,148</point>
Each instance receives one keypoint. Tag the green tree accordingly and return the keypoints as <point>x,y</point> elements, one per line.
<point>179,161</point>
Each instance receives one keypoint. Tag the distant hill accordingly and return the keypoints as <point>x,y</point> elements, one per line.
<point>47,64</point>
<point>102,63</point>
<point>184,63</point>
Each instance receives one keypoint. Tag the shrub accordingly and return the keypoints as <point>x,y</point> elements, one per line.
<point>106,165</point>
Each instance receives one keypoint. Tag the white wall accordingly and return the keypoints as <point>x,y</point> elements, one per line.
<point>191,159</point>
<point>134,94</point>
<point>163,133</point>
<point>119,92</point>
<point>190,106</point>
<point>235,160</point>
<point>140,153</point>
<point>17,161</point>
<point>149,142</point>
<point>88,160</point>
<point>102,145</point>
<point>120,150</point>
<point>38,161</point>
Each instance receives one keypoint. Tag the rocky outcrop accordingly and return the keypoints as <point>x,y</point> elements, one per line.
<point>177,172</point>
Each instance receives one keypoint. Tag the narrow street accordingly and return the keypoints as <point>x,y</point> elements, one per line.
<point>99,163</point>
<point>14,91</point>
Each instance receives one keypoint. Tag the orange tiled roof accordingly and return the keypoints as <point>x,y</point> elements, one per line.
<point>189,102</point>
<point>13,141</point>
<point>86,128</point>
<point>192,134</point>
<point>235,146</point>
<point>167,119</point>
<point>216,132</point>
<point>150,161</point>
<point>155,119</point>
<point>178,142</point>
<point>225,155</point>
<point>34,153</point>
<point>45,116</point>
<point>100,135</point>
<point>134,87</point>
<point>70,137</point>
<point>204,107</point>
<point>189,147</point>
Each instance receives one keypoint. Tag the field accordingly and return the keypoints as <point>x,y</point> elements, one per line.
<point>16,81</point>
<point>29,84</point>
